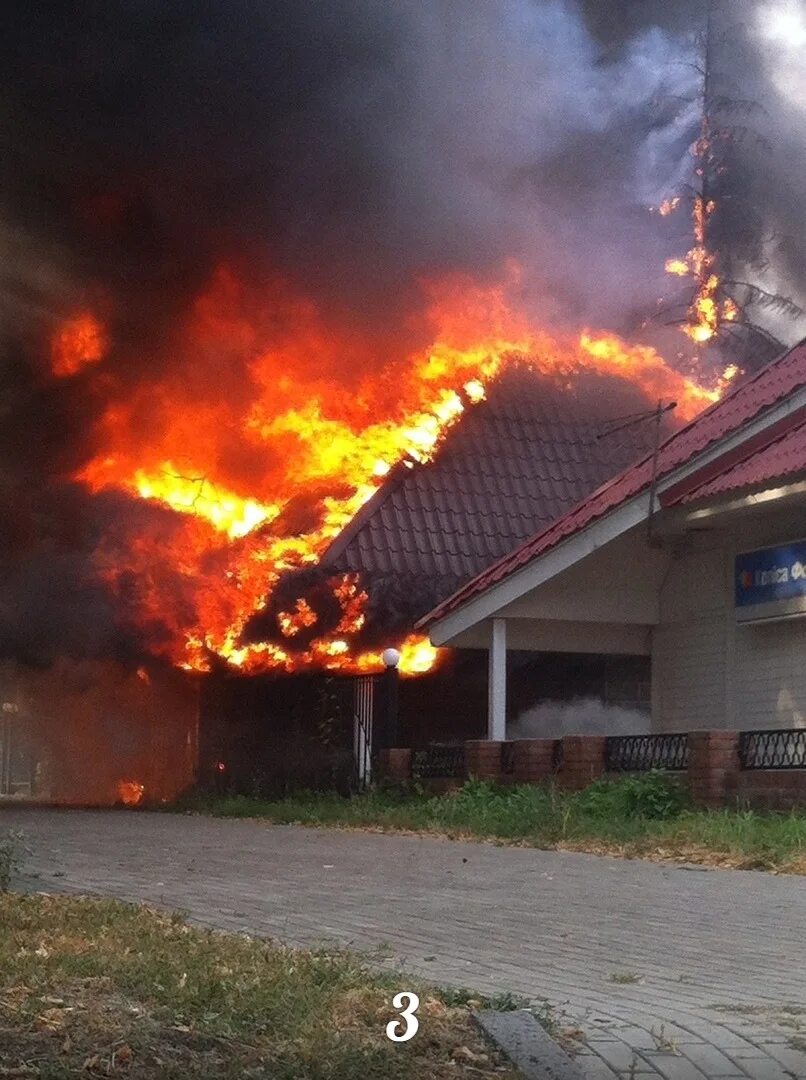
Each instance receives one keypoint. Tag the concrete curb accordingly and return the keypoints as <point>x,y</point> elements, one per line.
<point>527,1045</point>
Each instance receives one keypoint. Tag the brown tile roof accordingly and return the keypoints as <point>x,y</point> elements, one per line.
<point>511,465</point>
<point>752,397</point>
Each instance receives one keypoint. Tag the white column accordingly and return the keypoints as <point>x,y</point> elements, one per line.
<point>497,682</point>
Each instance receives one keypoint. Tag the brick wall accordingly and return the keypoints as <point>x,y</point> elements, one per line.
<point>582,761</point>
<point>483,759</point>
<point>714,775</point>
<point>713,766</point>
<point>772,789</point>
<point>534,760</point>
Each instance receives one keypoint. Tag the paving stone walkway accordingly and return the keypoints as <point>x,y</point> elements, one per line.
<point>667,971</point>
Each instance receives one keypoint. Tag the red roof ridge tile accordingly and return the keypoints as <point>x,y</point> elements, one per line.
<point>630,483</point>
<point>740,454</point>
<point>783,457</point>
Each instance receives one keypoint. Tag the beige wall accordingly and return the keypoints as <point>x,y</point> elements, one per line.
<point>707,671</point>
<point>563,635</point>
<point>617,584</point>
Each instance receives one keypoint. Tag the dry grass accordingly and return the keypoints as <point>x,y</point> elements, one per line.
<point>694,854</point>
<point>97,988</point>
<point>646,818</point>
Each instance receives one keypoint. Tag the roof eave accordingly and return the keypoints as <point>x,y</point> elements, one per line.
<point>542,568</point>
<point>481,605</point>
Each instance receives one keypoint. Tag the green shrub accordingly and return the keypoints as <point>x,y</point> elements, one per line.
<point>486,808</point>
<point>653,795</point>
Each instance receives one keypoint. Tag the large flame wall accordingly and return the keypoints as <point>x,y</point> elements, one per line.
<point>256,454</point>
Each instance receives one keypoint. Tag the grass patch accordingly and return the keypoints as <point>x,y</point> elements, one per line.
<point>645,816</point>
<point>12,853</point>
<point>99,988</point>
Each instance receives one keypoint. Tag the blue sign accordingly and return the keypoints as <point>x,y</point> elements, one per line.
<point>778,573</point>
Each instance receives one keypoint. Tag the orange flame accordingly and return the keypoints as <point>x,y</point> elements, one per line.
<point>196,495</point>
<point>257,475</point>
<point>291,622</point>
<point>130,792</point>
<point>78,343</point>
<point>708,310</point>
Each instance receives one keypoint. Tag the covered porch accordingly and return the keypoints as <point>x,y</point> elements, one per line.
<point>604,602</point>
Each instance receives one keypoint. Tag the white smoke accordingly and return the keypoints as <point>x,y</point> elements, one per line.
<point>582,716</point>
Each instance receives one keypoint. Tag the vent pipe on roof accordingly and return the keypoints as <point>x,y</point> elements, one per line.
<point>653,484</point>
<point>655,414</point>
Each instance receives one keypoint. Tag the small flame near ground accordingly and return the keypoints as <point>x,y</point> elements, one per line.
<point>130,792</point>
<point>232,459</point>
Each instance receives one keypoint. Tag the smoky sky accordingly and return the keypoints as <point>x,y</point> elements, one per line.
<point>356,147</point>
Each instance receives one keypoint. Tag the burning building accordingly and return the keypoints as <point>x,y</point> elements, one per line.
<point>268,275</point>
<point>246,705</point>
<point>534,445</point>
<point>532,449</point>
<point>693,556</point>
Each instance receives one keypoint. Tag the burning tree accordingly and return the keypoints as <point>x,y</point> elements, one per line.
<point>730,240</point>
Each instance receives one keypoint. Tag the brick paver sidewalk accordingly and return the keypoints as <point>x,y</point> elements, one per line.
<point>672,972</point>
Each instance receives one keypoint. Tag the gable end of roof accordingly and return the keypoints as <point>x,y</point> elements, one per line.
<point>747,404</point>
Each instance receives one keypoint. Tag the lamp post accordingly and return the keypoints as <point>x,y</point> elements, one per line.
<point>391,676</point>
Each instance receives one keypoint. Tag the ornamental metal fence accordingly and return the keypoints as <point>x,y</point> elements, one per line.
<point>783,748</point>
<point>640,753</point>
<point>443,762</point>
<point>777,749</point>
